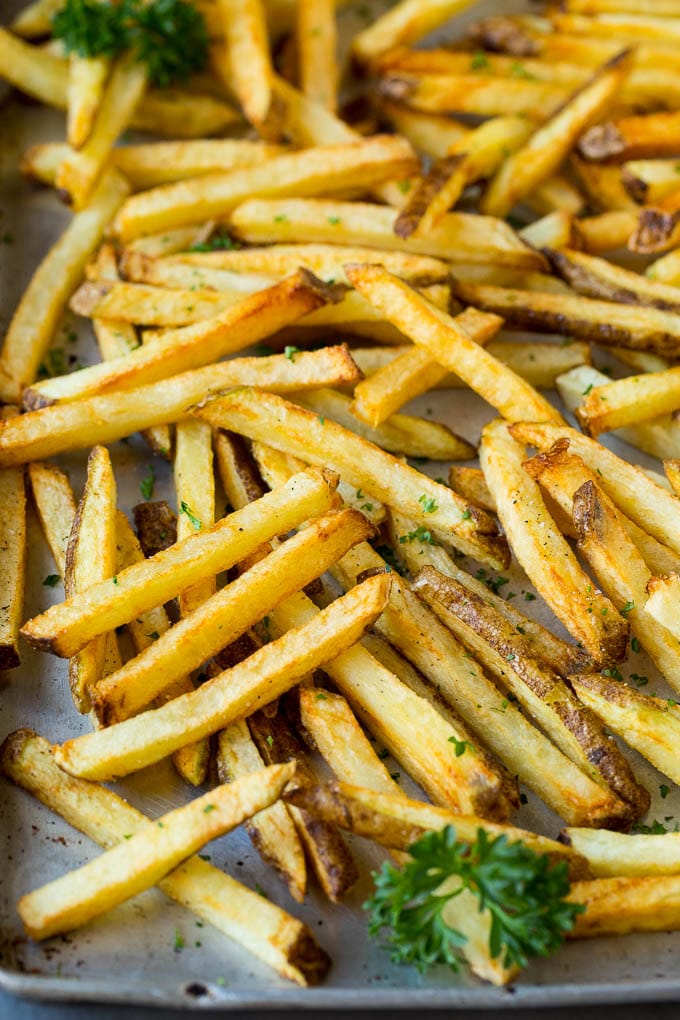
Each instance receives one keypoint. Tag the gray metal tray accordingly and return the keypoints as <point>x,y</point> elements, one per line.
<point>128,955</point>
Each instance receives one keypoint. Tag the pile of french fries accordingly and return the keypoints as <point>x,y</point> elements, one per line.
<point>349,603</point>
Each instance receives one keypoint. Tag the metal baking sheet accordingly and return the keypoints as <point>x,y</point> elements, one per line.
<point>129,955</point>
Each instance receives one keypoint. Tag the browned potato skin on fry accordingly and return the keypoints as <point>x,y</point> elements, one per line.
<point>156,526</point>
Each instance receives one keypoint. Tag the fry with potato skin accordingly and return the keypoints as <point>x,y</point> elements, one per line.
<point>56,507</point>
<point>453,347</point>
<point>544,554</point>
<point>576,731</point>
<point>629,401</point>
<point>207,552</point>
<point>267,674</point>
<point>619,906</point>
<point>598,278</point>
<point>613,854</point>
<point>149,855</point>
<point>407,22</point>
<point>247,55</point>
<point>364,465</point>
<point>264,929</point>
<point>12,558</point>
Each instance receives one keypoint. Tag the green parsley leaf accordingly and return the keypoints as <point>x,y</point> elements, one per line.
<point>52,580</point>
<point>421,534</point>
<point>208,808</point>
<point>179,942</point>
<point>221,240</point>
<point>479,60</point>
<point>629,606</point>
<point>635,644</point>
<point>428,504</point>
<point>461,746</point>
<point>664,790</point>
<point>147,483</point>
<point>290,352</point>
<point>334,220</point>
<point>184,508</point>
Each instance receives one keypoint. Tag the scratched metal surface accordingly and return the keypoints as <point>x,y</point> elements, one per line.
<point>129,955</point>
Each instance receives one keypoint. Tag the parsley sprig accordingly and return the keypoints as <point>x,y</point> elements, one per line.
<point>523,891</point>
<point>168,36</point>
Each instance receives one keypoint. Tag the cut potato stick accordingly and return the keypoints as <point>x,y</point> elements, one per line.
<point>662,602</point>
<point>393,820</point>
<point>247,55</point>
<point>557,194</point>
<point>264,676</point>
<point>662,8</point>
<point>458,237</point>
<point>415,630</point>
<point>547,148</point>
<point>612,854</point>
<point>672,470</point>
<point>417,552</point>
<point>34,322</point>
<point>326,849</point>
<point>406,377</point>
<point>12,559</point>
<point>86,81</point>
<point>607,231</point>
<point>648,724</point>
<point>152,306</point>
<point>636,398</point>
<point>452,347</point>
<point>542,693</point>
<point>430,133</point>
<point>229,613</point>
<point>636,28</point>
<point>469,482</point>
<point>71,426</point>
<point>272,830</point>
<point>603,184</point>
<point>619,906</point>
<point>598,278</point>
<point>658,437</point>
<point>316,44</point>
<point>407,22</point>
<point>478,94</point>
<point>323,260</point>
<point>648,180</point>
<point>35,19</point>
<point>410,726</point>
<point>153,852</point>
<point>248,320</point>
<point>195,491</point>
<point>544,554</point>
<point>606,322</point>
<point>91,557</point>
<point>80,171</point>
<point>56,506</point>
<point>656,134</point>
<point>666,269</point>
<point>400,433</point>
<point>206,553</point>
<point>653,508</point>
<point>364,465</point>
<point>556,230</point>
<point>318,170</point>
<point>266,930</point>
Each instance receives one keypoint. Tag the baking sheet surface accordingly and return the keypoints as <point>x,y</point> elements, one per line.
<point>129,954</point>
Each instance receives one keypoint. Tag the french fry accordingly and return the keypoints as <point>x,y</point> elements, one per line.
<point>326,849</point>
<point>252,318</point>
<point>408,724</point>
<point>469,482</point>
<point>394,820</point>
<point>316,43</point>
<point>266,930</point>
<point>598,278</point>
<point>665,269</point>
<point>34,321</point>
<point>169,242</point>
<point>648,180</point>
<point>607,230</point>
<point>324,260</point>
<point>544,695</point>
<point>663,8</point>
<point>603,184</point>
<point>124,870</point>
<point>56,506</point>
<point>364,465</point>
<point>544,554</point>
<point>632,138</point>
<point>40,74</point>
<point>415,630</point>
<point>222,618</point>
<point>662,595</point>
<point>430,133</point>
<point>631,400</point>
<point>657,438</point>
<point>91,557</point>
<point>35,19</point>
<point>555,230</point>
<point>478,94</point>
<point>266,675</point>
<point>195,489</point>
<point>151,306</point>
<point>12,559</point>
<point>319,170</point>
<point>86,82</point>
<point>607,322</point>
<point>654,509</point>
<point>619,906</point>
<point>451,347</point>
<point>245,33</point>
<point>399,433</point>
<point>272,830</point>
<point>203,554</point>
<point>546,149</point>
<point>671,468</point>
<point>557,194</point>
<point>416,552</point>
<point>105,418</point>
<point>458,236</point>
<point>80,171</point>
<point>613,854</point>
<point>151,165</point>
<point>648,724</point>
<point>407,22</point>
<point>477,155</point>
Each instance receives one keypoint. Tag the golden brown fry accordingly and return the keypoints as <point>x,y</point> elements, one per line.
<point>430,133</point>
<point>636,398</point>
<point>407,22</point>
<point>316,44</point>
<point>607,230</point>
<point>671,467</point>
<point>474,93</point>
<point>244,916</point>
<point>544,695</point>
<point>544,554</point>
<point>86,81</point>
<point>300,432</point>
<point>547,148</point>
<point>619,906</point>
<point>598,278</point>
<point>34,322</point>
<point>266,675</point>
<point>247,55</point>
<point>153,852</point>
<point>655,134</point>
<point>613,854</point>
<point>452,347</point>
<point>12,558</point>
<point>603,184</point>
<point>56,506</point>
<point>648,180</point>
